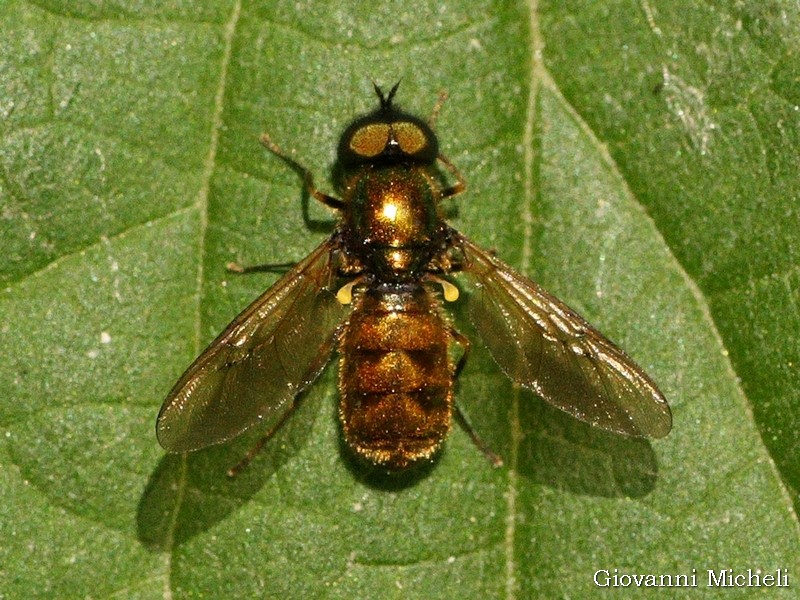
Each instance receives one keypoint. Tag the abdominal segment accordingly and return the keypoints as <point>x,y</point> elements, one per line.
<point>396,377</point>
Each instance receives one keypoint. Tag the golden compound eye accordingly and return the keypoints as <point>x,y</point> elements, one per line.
<point>410,137</point>
<point>370,140</point>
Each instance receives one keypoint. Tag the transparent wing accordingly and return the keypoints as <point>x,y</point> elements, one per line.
<point>251,373</point>
<point>542,344</point>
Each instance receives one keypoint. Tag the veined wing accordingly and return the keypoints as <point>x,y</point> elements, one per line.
<point>251,373</point>
<point>542,344</point>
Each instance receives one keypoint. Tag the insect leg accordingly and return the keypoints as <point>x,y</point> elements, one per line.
<point>251,454</point>
<point>314,369</point>
<point>462,341</point>
<point>460,184</point>
<point>268,268</point>
<point>308,177</point>
<point>482,446</point>
<point>437,108</point>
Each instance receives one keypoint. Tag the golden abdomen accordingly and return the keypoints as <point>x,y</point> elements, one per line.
<point>396,376</point>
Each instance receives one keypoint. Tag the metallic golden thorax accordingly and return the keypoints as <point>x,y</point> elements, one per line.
<point>393,212</point>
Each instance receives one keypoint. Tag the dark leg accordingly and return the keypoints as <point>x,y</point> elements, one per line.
<point>315,367</point>
<point>307,176</point>
<point>460,185</point>
<point>437,109</point>
<point>460,416</point>
<point>251,454</point>
<point>482,446</point>
<point>464,342</point>
<point>268,268</point>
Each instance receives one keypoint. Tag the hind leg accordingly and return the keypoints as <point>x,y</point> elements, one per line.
<point>493,458</point>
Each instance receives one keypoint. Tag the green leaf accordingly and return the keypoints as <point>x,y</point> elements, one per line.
<point>637,159</point>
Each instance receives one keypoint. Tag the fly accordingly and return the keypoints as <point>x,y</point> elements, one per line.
<point>374,291</point>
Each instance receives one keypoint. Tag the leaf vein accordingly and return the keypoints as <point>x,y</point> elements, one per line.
<point>380,44</point>
<point>102,241</point>
<point>431,560</point>
<point>124,17</point>
<point>202,206</point>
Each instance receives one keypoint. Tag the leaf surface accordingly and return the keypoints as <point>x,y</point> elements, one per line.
<point>636,159</point>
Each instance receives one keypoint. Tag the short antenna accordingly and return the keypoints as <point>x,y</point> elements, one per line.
<point>386,101</point>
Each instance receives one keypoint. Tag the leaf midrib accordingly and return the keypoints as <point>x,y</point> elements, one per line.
<point>536,76</point>
<point>209,166</point>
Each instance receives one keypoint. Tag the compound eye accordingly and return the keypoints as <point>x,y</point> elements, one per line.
<point>370,140</point>
<point>410,137</point>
